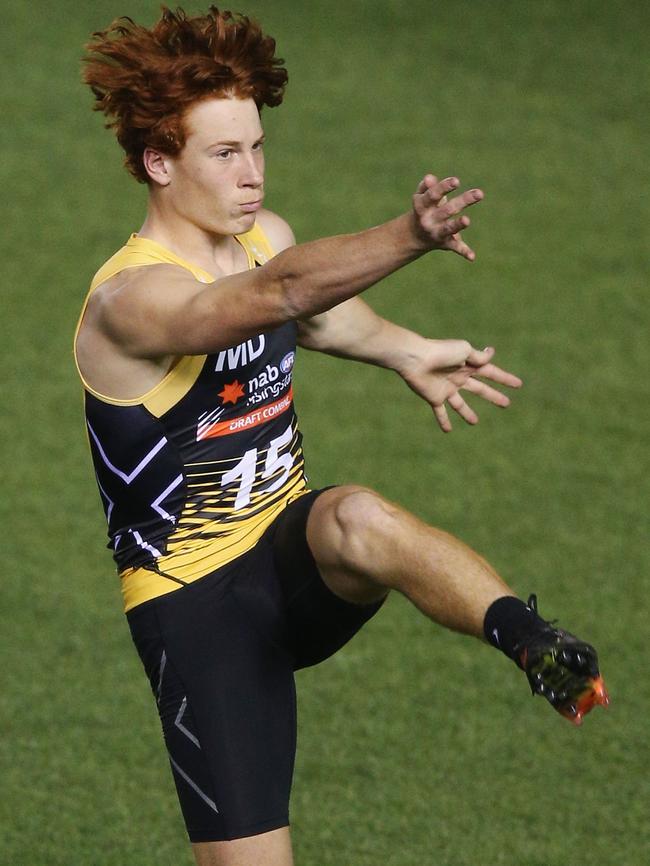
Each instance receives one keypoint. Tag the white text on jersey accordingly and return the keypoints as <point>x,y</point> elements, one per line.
<point>240,355</point>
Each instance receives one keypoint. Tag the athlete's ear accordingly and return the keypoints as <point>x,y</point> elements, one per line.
<point>156,165</point>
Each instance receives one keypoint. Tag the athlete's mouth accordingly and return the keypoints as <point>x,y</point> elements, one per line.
<point>251,206</point>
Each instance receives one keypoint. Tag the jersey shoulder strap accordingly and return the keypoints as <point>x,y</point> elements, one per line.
<point>138,252</point>
<point>257,245</point>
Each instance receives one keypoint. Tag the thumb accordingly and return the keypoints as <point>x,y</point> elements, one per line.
<point>478,358</point>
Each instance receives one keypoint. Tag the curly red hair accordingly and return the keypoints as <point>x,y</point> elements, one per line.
<point>144,80</point>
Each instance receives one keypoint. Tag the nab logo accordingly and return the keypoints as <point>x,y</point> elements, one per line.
<point>240,355</point>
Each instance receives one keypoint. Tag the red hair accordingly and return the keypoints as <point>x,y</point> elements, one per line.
<point>144,80</point>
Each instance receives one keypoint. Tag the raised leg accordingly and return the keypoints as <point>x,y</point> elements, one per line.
<point>365,546</point>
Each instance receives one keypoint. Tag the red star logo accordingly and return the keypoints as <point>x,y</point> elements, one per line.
<point>232,392</point>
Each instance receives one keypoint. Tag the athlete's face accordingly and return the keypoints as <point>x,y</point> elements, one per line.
<point>217,181</point>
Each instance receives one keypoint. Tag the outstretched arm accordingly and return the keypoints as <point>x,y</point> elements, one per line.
<point>436,370</point>
<point>172,314</point>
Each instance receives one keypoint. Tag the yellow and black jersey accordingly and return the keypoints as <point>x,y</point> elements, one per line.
<point>191,473</point>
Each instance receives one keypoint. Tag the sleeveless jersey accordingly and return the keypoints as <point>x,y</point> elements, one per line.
<point>192,473</point>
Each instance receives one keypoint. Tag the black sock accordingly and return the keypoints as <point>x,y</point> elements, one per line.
<point>508,622</point>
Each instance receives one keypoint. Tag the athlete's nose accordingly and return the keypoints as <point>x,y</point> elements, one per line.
<point>253,172</point>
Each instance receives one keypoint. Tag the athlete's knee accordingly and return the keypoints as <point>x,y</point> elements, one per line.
<point>363,521</point>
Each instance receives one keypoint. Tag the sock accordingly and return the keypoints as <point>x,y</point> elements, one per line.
<point>508,622</point>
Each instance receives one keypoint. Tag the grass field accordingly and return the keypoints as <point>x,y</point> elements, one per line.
<point>416,747</point>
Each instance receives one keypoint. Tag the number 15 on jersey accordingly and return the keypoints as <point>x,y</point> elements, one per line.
<point>277,466</point>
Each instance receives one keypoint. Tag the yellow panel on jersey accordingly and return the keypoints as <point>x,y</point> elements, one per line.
<point>193,472</point>
<point>256,245</point>
<point>143,584</point>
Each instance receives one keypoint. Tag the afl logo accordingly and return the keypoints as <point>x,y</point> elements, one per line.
<point>286,363</point>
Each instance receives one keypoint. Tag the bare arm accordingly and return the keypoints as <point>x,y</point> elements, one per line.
<point>436,370</point>
<point>169,313</point>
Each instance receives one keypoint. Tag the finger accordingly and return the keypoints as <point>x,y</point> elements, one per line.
<point>452,227</point>
<point>443,419</point>
<point>458,246</point>
<point>439,190</point>
<point>486,393</point>
<point>460,202</point>
<point>455,354</point>
<point>496,374</point>
<point>480,357</point>
<point>466,412</point>
<point>426,183</point>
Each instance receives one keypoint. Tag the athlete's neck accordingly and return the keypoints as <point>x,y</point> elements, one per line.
<point>217,254</point>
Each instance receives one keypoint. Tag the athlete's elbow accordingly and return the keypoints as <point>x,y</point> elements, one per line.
<point>288,286</point>
<point>292,299</point>
<point>279,295</point>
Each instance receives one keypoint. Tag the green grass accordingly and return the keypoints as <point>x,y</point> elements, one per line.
<point>416,746</point>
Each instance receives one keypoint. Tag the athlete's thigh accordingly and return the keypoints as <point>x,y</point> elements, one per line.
<point>319,622</point>
<point>266,849</point>
<point>226,700</point>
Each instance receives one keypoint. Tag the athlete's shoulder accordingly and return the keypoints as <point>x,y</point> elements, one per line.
<point>156,276</point>
<point>124,303</point>
<point>277,230</point>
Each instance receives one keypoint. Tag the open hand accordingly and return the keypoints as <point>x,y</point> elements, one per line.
<point>439,221</point>
<point>443,368</point>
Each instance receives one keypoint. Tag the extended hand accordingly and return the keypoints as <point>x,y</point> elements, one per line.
<point>437,222</point>
<point>443,367</point>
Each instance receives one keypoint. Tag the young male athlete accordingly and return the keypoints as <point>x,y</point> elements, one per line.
<point>233,574</point>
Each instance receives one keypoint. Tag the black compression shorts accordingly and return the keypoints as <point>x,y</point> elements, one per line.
<point>220,656</point>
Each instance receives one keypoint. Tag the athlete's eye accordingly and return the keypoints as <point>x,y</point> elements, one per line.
<point>224,154</point>
<point>259,145</point>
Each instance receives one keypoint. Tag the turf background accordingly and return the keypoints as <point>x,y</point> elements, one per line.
<point>416,746</point>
